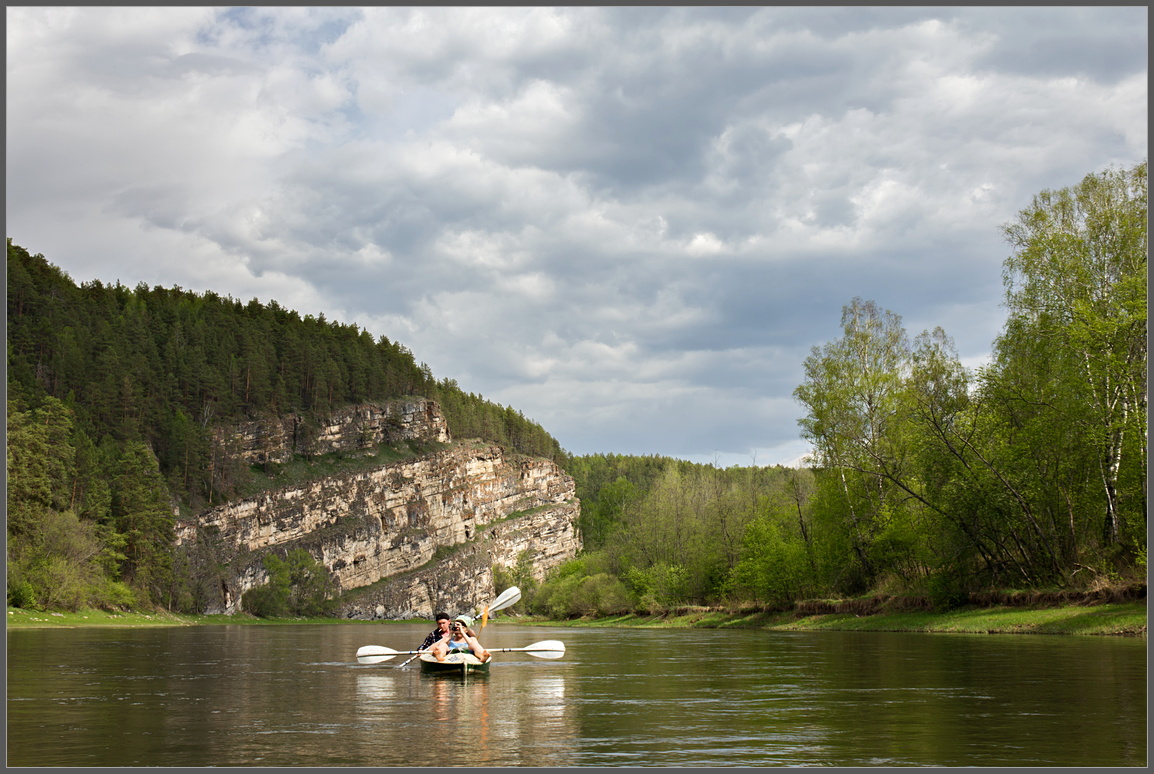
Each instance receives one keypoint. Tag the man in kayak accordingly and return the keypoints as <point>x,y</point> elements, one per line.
<point>443,620</point>
<point>461,638</point>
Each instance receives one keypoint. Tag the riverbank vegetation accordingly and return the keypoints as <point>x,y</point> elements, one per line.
<point>1123,619</point>
<point>931,482</point>
<point>19,618</point>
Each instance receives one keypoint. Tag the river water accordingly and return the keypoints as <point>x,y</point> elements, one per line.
<point>233,696</point>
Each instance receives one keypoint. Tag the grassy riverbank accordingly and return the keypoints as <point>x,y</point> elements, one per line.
<point>34,619</point>
<point>1124,618</point>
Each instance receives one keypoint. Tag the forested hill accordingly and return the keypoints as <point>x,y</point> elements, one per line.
<point>163,365</point>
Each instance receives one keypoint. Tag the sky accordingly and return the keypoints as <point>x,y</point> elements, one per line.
<point>630,224</point>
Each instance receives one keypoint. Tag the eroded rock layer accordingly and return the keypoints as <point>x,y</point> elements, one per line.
<point>423,533</point>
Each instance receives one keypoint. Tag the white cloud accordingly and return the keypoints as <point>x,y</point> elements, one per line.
<point>704,244</point>
<point>629,223</point>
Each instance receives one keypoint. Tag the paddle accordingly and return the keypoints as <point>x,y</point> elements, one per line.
<point>375,654</point>
<point>542,649</point>
<point>508,597</point>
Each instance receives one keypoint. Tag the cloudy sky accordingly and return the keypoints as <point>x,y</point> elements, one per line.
<point>630,224</point>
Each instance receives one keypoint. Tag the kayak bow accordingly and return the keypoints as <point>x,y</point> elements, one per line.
<point>454,663</point>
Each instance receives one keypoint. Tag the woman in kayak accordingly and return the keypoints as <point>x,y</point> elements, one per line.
<point>461,638</point>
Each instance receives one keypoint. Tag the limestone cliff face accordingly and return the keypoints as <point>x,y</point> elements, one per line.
<point>277,439</point>
<point>425,532</point>
<point>462,581</point>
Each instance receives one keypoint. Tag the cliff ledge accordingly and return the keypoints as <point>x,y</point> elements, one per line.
<point>412,536</point>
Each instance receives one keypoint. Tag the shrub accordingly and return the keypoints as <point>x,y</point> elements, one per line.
<point>300,586</point>
<point>660,585</point>
<point>574,590</point>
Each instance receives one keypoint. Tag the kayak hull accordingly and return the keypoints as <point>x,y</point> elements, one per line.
<point>454,664</point>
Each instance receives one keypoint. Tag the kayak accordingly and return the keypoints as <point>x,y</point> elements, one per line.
<point>455,663</point>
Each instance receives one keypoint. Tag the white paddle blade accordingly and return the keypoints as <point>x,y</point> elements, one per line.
<point>509,596</point>
<point>376,650</point>
<point>372,659</point>
<point>543,649</point>
<point>547,649</point>
<point>546,653</point>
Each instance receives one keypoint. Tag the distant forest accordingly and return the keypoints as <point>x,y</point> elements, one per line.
<point>112,396</point>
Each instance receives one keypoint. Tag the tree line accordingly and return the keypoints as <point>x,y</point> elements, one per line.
<point>930,480</point>
<point>659,533</point>
<point>113,394</point>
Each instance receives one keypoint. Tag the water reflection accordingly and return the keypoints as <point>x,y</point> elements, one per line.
<point>549,695</point>
<point>510,717</point>
<point>461,713</point>
<point>374,688</point>
<point>294,696</point>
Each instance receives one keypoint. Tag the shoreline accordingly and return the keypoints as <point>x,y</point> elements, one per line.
<point>1125,619</point>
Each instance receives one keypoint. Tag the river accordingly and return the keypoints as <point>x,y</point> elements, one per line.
<point>240,696</point>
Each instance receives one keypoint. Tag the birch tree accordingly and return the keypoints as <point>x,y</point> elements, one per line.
<point>1076,282</point>
<point>854,393</point>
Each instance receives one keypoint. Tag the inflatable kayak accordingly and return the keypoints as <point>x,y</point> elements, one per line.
<point>454,663</point>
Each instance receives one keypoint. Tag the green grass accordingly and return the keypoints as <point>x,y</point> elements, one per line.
<point>1126,618</point>
<point>34,619</point>
<point>1114,619</point>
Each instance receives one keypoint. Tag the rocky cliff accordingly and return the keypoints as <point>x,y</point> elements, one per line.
<point>405,538</point>
<point>364,426</point>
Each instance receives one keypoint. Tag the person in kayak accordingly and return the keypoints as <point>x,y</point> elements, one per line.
<point>443,621</point>
<point>461,638</point>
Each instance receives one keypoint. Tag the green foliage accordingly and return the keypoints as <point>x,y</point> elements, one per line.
<point>1025,471</point>
<point>609,487</point>
<point>297,586</point>
<point>52,568</point>
<point>267,601</point>
<point>56,559</point>
<point>659,585</point>
<point>200,568</point>
<point>776,566</point>
<point>1076,289</point>
<point>673,531</point>
<point>40,460</point>
<point>946,590</point>
<point>163,366</point>
<point>519,575</point>
<point>601,518</point>
<point>142,515</point>
<point>581,588</point>
<point>857,396</point>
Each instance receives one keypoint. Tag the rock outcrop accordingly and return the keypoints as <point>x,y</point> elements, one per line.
<point>277,439</point>
<point>414,535</point>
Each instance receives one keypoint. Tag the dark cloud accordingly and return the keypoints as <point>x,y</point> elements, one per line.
<point>1100,42</point>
